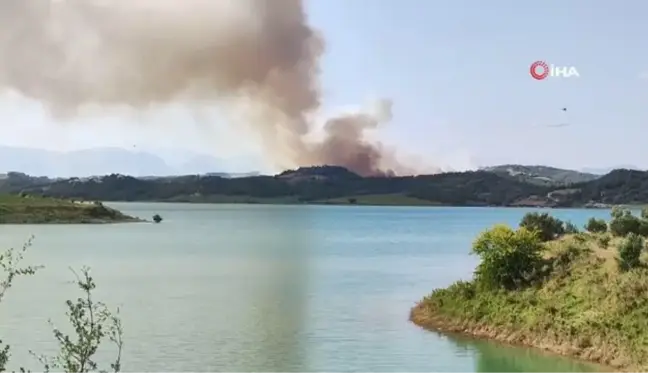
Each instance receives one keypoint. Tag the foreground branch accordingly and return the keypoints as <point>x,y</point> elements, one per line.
<point>91,321</point>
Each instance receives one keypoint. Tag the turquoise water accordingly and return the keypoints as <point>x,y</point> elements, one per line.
<point>267,288</point>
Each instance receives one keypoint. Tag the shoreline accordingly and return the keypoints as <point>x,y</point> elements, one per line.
<point>578,294</point>
<point>324,203</point>
<point>424,319</point>
<point>24,209</point>
<point>94,222</point>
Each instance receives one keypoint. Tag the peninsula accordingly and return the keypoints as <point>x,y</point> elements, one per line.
<point>547,285</point>
<point>28,209</point>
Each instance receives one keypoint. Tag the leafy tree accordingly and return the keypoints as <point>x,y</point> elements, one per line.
<point>630,252</point>
<point>509,258</point>
<point>90,320</point>
<point>547,226</point>
<point>596,226</point>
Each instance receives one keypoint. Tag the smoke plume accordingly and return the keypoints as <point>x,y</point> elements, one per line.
<point>258,59</point>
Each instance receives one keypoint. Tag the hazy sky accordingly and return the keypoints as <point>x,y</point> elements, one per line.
<point>458,73</point>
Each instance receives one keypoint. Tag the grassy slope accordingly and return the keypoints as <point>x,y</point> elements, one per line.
<point>15,209</point>
<point>586,308</point>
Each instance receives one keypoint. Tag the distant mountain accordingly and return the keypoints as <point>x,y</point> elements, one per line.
<point>606,170</point>
<point>542,175</point>
<point>102,161</point>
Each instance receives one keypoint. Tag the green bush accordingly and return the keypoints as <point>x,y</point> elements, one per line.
<point>547,226</point>
<point>604,241</point>
<point>570,228</point>
<point>624,222</point>
<point>509,259</point>
<point>644,213</point>
<point>630,252</point>
<point>596,226</point>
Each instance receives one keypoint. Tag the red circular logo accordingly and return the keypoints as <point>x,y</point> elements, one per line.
<point>539,70</point>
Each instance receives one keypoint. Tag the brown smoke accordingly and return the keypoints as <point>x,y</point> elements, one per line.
<point>257,58</point>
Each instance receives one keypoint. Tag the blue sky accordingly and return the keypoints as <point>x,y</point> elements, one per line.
<point>457,72</point>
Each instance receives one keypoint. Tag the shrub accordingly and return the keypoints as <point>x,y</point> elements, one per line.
<point>92,322</point>
<point>566,255</point>
<point>604,241</point>
<point>570,228</point>
<point>618,211</point>
<point>624,222</point>
<point>10,264</point>
<point>580,237</point>
<point>644,213</point>
<point>630,251</point>
<point>596,226</point>
<point>509,259</point>
<point>547,226</point>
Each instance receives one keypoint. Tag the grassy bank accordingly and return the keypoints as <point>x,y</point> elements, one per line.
<point>581,294</point>
<point>27,209</point>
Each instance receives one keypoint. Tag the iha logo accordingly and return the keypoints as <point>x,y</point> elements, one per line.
<point>541,70</point>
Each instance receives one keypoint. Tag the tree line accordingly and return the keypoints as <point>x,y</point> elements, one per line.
<point>308,184</point>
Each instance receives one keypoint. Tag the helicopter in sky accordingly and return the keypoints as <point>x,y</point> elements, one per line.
<point>564,122</point>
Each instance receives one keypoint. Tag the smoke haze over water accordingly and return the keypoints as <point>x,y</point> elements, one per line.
<point>258,59</point>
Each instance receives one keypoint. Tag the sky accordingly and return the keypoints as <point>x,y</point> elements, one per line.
<point>458,74</point>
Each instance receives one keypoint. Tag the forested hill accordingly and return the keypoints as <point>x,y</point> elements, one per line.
<point>330,184</point>
<point>617,187</point>
<point>542,175</point>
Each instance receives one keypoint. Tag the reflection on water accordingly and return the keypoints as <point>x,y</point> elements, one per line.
<point>279,307</point>
<point>266,288</point>
<point>494,357</point>
<point>275,306</point>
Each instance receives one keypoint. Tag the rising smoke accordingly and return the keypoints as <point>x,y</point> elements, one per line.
<point>258,59</point>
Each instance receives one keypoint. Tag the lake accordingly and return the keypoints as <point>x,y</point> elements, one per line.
<point>267,288</point>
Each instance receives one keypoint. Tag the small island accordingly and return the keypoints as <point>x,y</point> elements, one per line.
<point>33,209</point>
<point>549,286</point>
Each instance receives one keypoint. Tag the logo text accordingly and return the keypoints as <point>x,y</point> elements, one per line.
<point>541,70</point>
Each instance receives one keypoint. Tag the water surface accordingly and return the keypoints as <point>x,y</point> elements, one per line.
<point>268,288</point>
